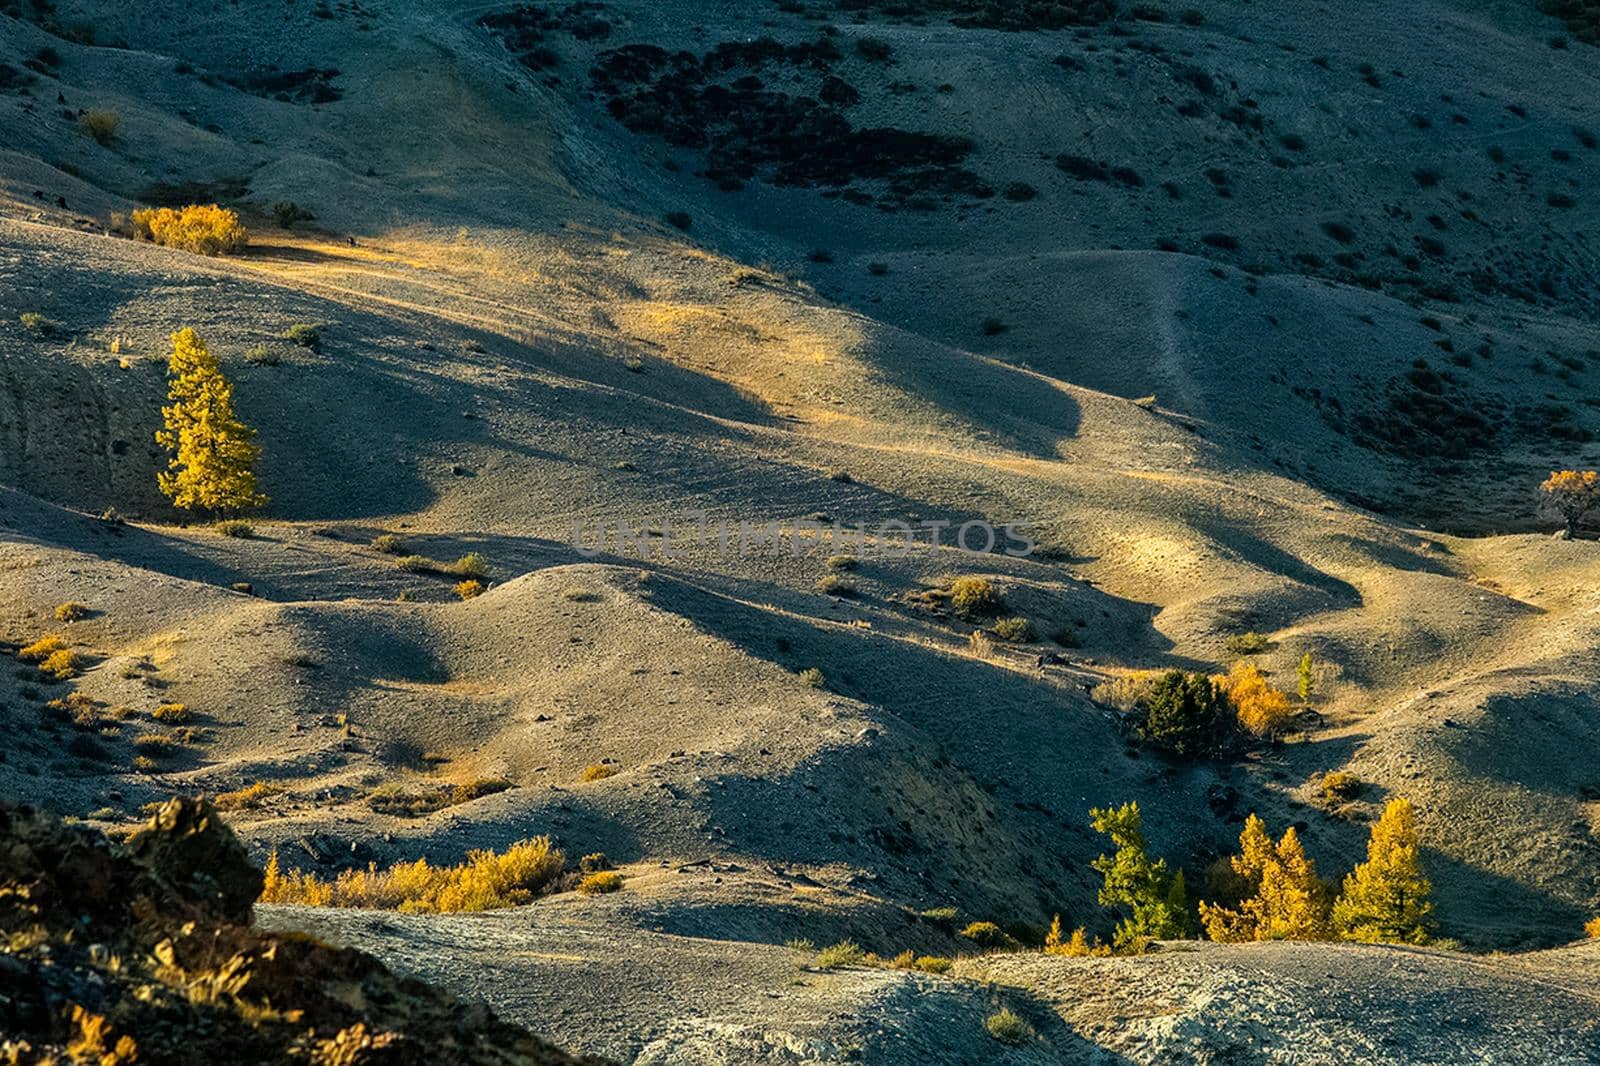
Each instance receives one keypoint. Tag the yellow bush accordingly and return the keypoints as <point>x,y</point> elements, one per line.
<point>931,964</point>
<point>42,649</point>
<point>470,589</point>
<point>597,771</point>
<point>844,953</point>
<point>1592,927</point>
<point>71,612</point>
<point>599,883</point>
<point>1077,945</point>
<point>203,228</point>
<point>62,664</point>
<point>487,880</point>
<point>1262,709</point>
<point>974,596</point>
<point>171,712</point>
<point>247,798</point>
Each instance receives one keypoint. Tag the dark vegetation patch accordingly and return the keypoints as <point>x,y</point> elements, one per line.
<point>1582,17</point>
<point>721,104</point>
<point>180,193</point>
<point>312,85</point>
<point>525,30</point>
<point>992,14</point>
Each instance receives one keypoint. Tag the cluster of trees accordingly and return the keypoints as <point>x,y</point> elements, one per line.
<point>1193,716</point>
<point>1272,891</point>
<point>1574,494</point>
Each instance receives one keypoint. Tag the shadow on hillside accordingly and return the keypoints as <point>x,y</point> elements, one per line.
<point>1013,408</point>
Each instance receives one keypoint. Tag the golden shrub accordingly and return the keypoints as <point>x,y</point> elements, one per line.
<point>1592,927</point>
<point>975,596</point>
<point>247,798</point>
<point>487,880</point>
<point>62,664</point>
<point>597,771</point>
<point>1077,945</point>
<point>600,882</point>
<point>42,649</point>
<point>171,712</point>
<point>470,589</point>
<point>71,612</point>
<point>202,228</point>
<point>1261,709</point>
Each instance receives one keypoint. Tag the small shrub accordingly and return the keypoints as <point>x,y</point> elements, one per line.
<point>42,649</point>
<point>992,327</point>
<point>986,935</point>
<point>483,786</point>
<point>145,764</point>
<point>1592,928</point>
<point>975,596</point>
<point>418,564</point>
<point>600,882</point>
<point>61,665</point>
<point>801,944</point>
<point>1251,643</point>
<point>679,220</point>
<point>158,745</point>
<point>812,677</point>
<point>175,713</point>
<point>100,124</point>
<point>843,562</point>
<point>598,771</point>
<point>834,585</point>
<point>874,50</point>
<point>943,917</point>
<point>1340,787</point>
<point>1018,630</point>
<point>594,862</point>
<point>204,229</point>
<point>71,612</point>
<point>1008,1027</point>
<point>981,644</point>
<point>389,544</point>
<point>245,799</point>
<point>470,565</point>
<point>38,323</point>
<point>931,964</point>
<point>305,335</point>
<point>236,528</point>
<point>470,589</point>
<point>844,953</point>
<point>404,803</point>
<point>261,355</point>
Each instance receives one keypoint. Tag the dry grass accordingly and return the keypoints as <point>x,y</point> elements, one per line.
<point>844,953</point>
<point>43,648</point>
<point>487,880</point>
<point>246,799</point>
<point>175,713</point>
<point>100,124</point>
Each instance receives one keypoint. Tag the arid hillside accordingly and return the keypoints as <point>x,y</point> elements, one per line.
<point>1263,321</point>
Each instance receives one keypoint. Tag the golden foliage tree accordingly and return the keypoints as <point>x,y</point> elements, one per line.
<point>1077,945</point>
<point>205,229</point>
<point>213,454</point>
<point>1386,898</point>
<point>1573,494</point>
<point>1288,900</point>
<point>1262,709</point>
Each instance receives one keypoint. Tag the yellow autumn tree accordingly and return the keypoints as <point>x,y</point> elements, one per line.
<point>1288,901</point>
<point>1573,494</point>
<point>1077,945</point>
<point>1386,898</point>
<point>1261,709</point>
<point>213,454</point>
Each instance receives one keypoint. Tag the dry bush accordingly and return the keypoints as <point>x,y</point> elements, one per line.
<point>844,953</point>
<point>238,530</point>
<point>834,585</point>
<point>470,589</point>
<point>981,644</point>
<point>1127,692</point>
<point>931,964</point>
<point>100,124</point>
<point>176,713</point>
<point>1251,643</point>
<point>974,596</point>
<point>404,803</point>
<point>61,665</point>
<point>389,544</point>
<point>159,745</point>
<point>812,677</point>
<point>43,648</point>
<point>247,798</point>
<point>487,880</point>
<point>470,565</point>
<point>479,788</point>
<point>205,229</point>
<point>1009,1028</point>
<point>986,935</point>
<point>1592,928</point>
<point>1018,630</point>
<point>597,772</point>
<point>1340,787</point>
<point>72,612</point>
<point>600,882</point>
